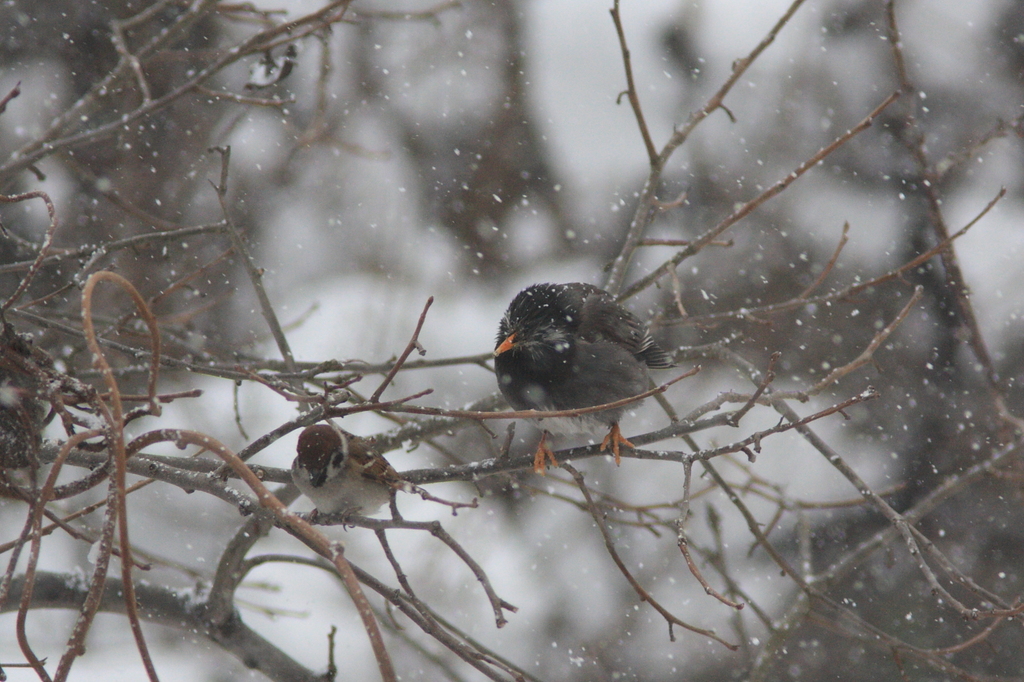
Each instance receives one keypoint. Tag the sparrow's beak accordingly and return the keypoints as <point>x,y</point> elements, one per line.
<point>318,477</point>
<point>505,345</point>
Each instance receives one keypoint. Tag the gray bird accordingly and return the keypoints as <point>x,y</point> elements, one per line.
<point>568,346</point>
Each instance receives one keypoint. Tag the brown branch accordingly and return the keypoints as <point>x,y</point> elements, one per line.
<point>233,566</point>
<point>637,587</point>
<point>318,125</point>
<point>748,208</point>
<point>680,242</point>
<point>91,604</point>
<point>951,486</point>
<point>33,527</point>
<point>634,99</point>
<point>203,271</point>
<point>756,438</point>
<point>432,623</point>
<point>956,283</point>
<point>894,517</point>
<point>435,528</point>
<point>413,344</point>
<point>830,264</point>
<point>498,605</point>
<point>853,289</point>
<point>43,248</point>
<point>958,576</point>
<point>62,523</point>
<point>682,543</point>
<point>332,551</point>
<point>972,641</point>
<point>100,361</point>
<point>648,204</point>
<point>490,467</point>
<point>454,506</point>
<point>400,406</point>
<point>769,377</point>
<point>400,575</point>
<point>255,274</point>
<point>115,422</point>
<point>428,14</point>
<point>958,157</point>
<point>868,354</point>
<point>176,610</point>
<point>160,398</point>
<point>754,527</point>
<point>15,91</point>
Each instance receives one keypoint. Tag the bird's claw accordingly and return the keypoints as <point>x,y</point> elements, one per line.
<point>543,455</point>
<point>615,439</point>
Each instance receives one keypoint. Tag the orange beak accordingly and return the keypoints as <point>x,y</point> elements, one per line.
<point>505,345</point>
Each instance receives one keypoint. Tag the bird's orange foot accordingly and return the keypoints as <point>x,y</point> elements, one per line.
<point>615,439</point>
<point>542,455</point>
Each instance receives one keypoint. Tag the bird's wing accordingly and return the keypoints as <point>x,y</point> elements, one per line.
<point>376,468</point>
<point>602,319</point>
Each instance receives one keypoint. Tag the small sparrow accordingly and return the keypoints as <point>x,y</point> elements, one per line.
<point>567,346</point>
<point>339,472</point>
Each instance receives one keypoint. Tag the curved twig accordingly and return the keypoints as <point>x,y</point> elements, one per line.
<point>44,248</point>
<point>115,421</point>
<point>332,551</point>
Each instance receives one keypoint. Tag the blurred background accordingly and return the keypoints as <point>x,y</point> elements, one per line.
<point>464,150</point>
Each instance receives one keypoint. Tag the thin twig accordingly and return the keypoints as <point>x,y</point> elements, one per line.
<point>682,543</point>
<point>401,406</point>
<point>255,274</point>
<point>117,37</point>
<point>413,344</point>
<point>648,204</point>
<point>748,208</point>
<point>853,289</point>
<point>43,248</point>
<point>637,587</point>
<point>769,377</point>
<point>843,238</point>
<point>14,92</point>
<point>34,525</point>
<point>242,99</point>
<point>435,528</point>
<point>868,354</point>
<point>634,99</point>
